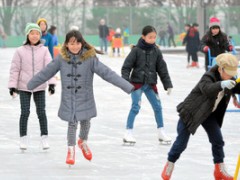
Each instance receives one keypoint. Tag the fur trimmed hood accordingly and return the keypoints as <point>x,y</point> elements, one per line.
<point>87,53</point>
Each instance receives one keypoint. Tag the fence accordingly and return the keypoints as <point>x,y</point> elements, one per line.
<point>14,19</point>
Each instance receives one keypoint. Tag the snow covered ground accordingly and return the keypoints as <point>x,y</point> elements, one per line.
<point>111,160</point>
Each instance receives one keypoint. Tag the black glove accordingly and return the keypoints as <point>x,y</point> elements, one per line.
<point>12,90</point>
<point>51,88</point>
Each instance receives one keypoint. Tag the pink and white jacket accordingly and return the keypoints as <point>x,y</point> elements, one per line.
<point>27,61</point>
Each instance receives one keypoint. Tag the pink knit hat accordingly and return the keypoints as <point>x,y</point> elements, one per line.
<point>214,22</point>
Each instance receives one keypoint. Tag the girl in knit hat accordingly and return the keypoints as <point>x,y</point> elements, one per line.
<point>206,106</point>
<point>77,64</point>
<point>28,60</point>
<point>215,40</point>
<point>46,36</point>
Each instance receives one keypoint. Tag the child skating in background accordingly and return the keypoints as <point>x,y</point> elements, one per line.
<point>46,36</point>
<point>206,105</point>
<point>142,67</point>
<point>215,40</point>
<point>77,64</point>
<point>118,36</point>
<point>27,61</point>
<point>192,42</point>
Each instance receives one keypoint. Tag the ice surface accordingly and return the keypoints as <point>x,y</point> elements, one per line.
<point>111,160</point>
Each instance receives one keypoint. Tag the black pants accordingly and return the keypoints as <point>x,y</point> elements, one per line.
<point>39,99</point>
<point>192,55</point>
<point>171,39</point>
<point>215,137</point>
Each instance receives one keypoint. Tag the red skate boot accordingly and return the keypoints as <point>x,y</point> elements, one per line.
<point>220,172</point>
<point>85,149</point>
<point>71,155</point>
<point>167,171</point>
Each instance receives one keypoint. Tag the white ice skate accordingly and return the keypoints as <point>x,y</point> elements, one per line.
<point>128,137</point>
<point>163,137</point>
<point>44,142</point>
<point>23,143</point>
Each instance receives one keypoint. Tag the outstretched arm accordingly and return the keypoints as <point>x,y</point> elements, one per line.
<point>44,75</point>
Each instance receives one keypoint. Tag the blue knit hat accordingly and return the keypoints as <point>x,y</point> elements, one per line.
<point>32,26</point>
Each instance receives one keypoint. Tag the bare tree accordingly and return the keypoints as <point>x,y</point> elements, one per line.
<point>6,13</point>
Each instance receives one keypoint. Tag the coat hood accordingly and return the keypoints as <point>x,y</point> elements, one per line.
<point>86,53</point>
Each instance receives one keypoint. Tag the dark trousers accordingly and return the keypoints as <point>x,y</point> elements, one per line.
<point>214,135</point>
<point>171,39</point>
<point>192,55</point>
<point>39,99</point>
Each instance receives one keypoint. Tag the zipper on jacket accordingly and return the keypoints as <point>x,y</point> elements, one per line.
<point>33,69</point>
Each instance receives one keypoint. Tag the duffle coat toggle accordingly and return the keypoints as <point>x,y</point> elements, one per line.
<point>74,61</point>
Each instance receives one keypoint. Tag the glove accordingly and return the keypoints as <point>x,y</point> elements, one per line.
<point>229,84</point>
<point>137,86</point>
<point>205,49</point>
<point>51,89</point>
<point>230,48</point>
<point>169,91</point>
<point>12,91</point>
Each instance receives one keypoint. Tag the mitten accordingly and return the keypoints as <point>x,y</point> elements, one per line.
<point>51,89</point>
<point>229,84</point>
<point>205,49</point>
<point>12,91</point>
<point>136,86</point>
<point>169,91</point>
<point>230,48</point>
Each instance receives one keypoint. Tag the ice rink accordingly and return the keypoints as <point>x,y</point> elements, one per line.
<point>111,159</point>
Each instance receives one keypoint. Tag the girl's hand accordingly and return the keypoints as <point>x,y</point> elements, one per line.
<point>51,89</point>
<point>13,92</point>
<point>169,91</point>
<point>205,49</point>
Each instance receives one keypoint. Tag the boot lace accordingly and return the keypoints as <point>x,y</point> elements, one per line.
<point>169,168</point>
<point>85,148</point>
<point>70,153</point>
<point>223,170</point>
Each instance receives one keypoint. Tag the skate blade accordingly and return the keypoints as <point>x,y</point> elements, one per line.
<point>70,164</point>
<point>46,148</point>
<point>129,143</point>
<point>23,150</point>
<point>165,142</point>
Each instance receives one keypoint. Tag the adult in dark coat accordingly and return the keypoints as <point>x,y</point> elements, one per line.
<point>206,105</point>
<point>103,31</point>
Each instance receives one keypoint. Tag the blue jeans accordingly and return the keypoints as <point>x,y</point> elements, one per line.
<point>154,100</point>
<point>214,133</point>
<point>103,43</point>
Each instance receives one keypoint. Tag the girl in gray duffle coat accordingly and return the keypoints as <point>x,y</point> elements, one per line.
<point>77,64</point>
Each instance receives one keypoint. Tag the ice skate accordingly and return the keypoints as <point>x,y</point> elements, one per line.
<point>85,149</point>
<point>220,172</point>
<point>44,142</point>
<point>162,136</point>
<point>128,138</point>
<point>70,156</point>
<point>167,171</point>
<point>23,143</point>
